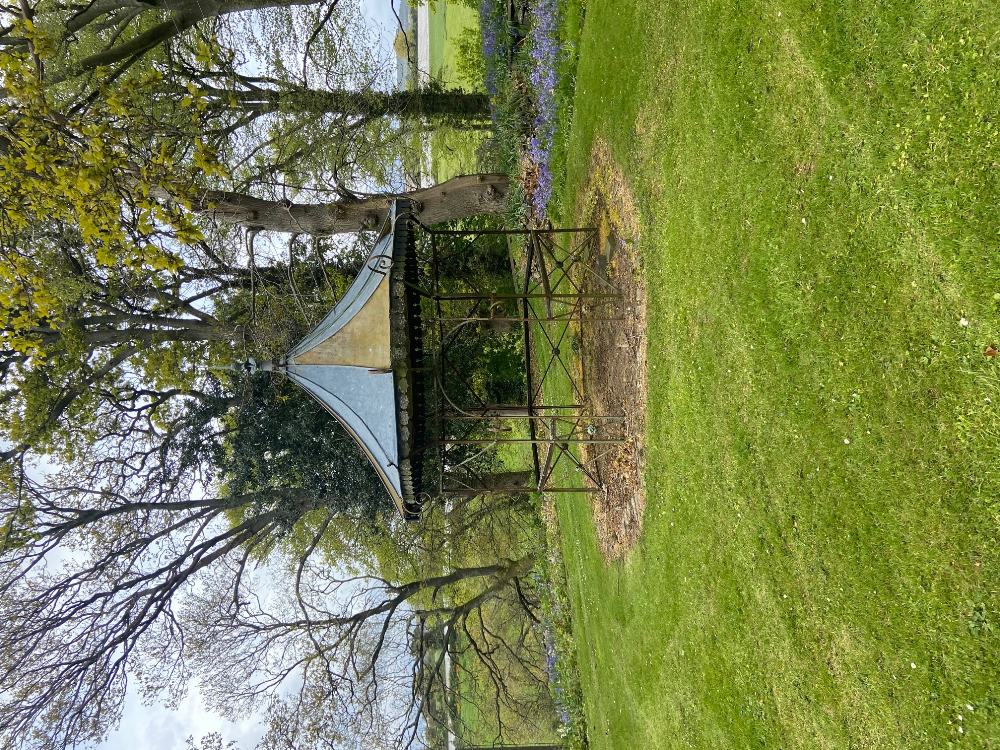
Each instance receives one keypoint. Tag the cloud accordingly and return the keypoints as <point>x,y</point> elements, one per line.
<point>160,728</point>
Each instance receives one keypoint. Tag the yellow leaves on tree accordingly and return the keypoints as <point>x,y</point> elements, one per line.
<point>71,174</point>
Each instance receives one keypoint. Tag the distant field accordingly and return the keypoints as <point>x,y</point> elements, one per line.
<point>448,21</point>
<point>819,186</point>
<point>453,151</point>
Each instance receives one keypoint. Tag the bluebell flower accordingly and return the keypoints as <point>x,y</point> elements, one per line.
<point>544,55</point>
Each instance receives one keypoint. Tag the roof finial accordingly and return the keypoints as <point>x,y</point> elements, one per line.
<point>266,365</point>
<point>250,366</point>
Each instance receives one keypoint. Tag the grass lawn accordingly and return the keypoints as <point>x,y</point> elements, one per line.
<point>448,21</point>
<point>819,184</point>
<point>453,152</point>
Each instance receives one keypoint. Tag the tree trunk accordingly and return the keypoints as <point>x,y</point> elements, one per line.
<point>134,47</point>
<point>506,481</point>
<point>458,198</point>
<point>183,15</point>
<point>366,104</point>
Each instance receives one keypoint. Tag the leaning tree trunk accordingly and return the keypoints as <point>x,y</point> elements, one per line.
<point>458,198</point>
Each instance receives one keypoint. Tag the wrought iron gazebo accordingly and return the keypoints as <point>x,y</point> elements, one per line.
<point>390,361</point>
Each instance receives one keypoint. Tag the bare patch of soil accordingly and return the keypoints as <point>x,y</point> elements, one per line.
<point>614,358</point>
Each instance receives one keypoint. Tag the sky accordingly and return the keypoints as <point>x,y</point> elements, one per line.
<point>381,15</point>
<point>157,727</point>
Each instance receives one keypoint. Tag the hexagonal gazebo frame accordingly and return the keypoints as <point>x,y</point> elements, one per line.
<point>383,361</point>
